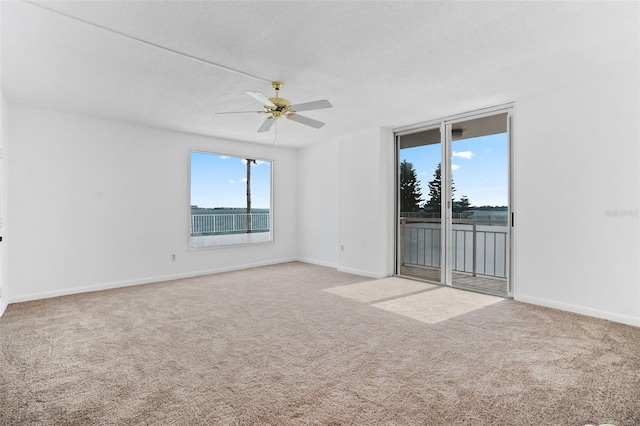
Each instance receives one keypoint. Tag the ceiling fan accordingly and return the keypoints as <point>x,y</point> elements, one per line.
<point>277,107</point>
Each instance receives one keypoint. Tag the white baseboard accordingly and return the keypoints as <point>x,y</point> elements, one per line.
<point>360,272</point>
<point>353,271</point>
<point>611,316</point>
<point>148,280</point>
<point>3,305</point>
<point>363,273</point>
<point>317,262</point>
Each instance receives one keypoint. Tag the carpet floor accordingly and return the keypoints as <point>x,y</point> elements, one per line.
<point>296,344</point>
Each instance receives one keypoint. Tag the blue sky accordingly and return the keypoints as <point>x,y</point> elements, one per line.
<point>479,167</point>
<point>479,172</point>
<point>220,181</point>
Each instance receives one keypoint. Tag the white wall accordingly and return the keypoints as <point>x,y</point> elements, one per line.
<point>96,204</point>
<point>576,165</point>
<point>4,291</point>
<point>3,136</point>
<point>366,188</point>
<point>345,196</point>
<point>318,204</point>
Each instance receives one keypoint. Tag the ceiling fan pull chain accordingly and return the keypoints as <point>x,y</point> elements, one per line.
<point>275,133</point>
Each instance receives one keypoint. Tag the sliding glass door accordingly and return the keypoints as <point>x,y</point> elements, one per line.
<point>420,212</point>
<point>453,203</point>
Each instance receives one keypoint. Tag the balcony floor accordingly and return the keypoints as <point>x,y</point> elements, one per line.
<point>498,286</point>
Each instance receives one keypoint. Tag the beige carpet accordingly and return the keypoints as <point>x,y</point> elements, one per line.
<point>424,302</point>
<point>302,344</point>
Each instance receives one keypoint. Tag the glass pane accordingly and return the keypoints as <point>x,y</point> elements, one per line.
<point>230,200</point>
<point>420,205</point>
<point>480,197</point>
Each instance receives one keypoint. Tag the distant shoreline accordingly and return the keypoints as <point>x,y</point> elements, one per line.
<point>225,210</point>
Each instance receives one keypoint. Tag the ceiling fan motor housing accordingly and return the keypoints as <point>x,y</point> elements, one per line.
<point>280,102</point>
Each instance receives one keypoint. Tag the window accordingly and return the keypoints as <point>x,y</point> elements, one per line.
<point>230,200</point>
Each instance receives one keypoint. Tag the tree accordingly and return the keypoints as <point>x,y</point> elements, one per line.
<point>462,206</point>
<point>434,205</point>
<point>249,224</point>
<point>410,191</point>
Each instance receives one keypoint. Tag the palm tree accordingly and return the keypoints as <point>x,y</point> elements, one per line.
<point>249,221</point>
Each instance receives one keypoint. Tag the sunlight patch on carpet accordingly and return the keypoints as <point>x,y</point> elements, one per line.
<point>438,305</point>
<point>378,290</point>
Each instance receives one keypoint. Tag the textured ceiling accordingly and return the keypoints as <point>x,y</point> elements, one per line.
<point>380,63</point>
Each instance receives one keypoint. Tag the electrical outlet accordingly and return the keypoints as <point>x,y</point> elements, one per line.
<point>173,257</point>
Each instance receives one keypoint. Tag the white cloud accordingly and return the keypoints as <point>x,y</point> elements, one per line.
<point>224,157</point>
<point>231,181</point>
<point>463,154</point>
<point>454,167</point>
<point>243,180</point>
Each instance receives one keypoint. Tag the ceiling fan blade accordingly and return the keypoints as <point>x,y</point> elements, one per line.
<point>239,112</point>
<point>266,125</point>
<point>306,121</point>
<point>307,106</point>
<point>260,98</point>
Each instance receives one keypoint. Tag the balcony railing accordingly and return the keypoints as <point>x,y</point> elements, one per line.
<point>478,247</point>
<point>236,223</point>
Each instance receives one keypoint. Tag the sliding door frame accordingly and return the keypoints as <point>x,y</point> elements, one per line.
<point>445,125</point>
